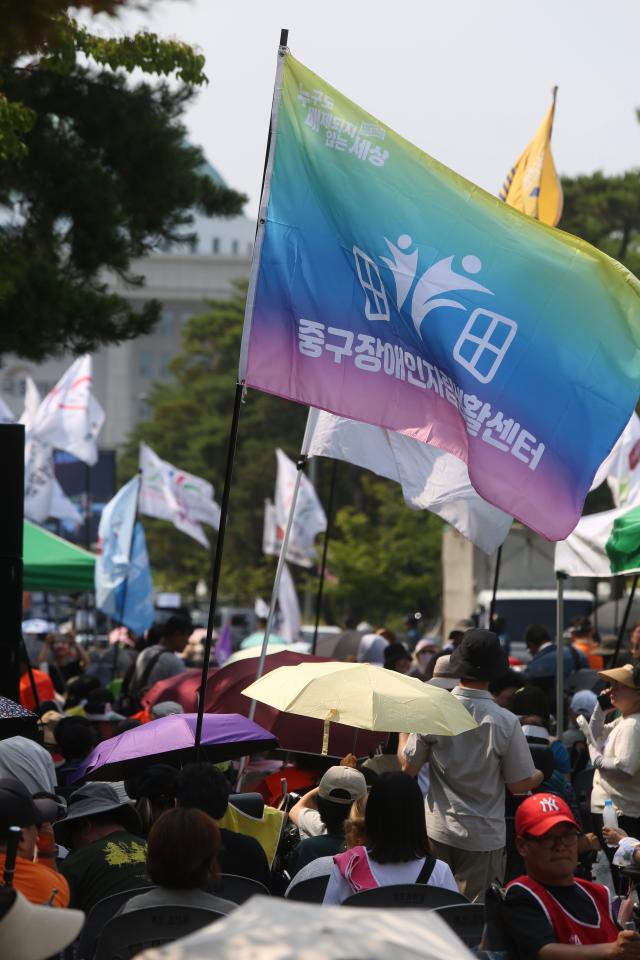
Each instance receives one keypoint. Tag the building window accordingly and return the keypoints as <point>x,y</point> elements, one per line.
<point>234,247</point>
<point>165,360</point>
<point>193,245</point>
<point>165,325</point>
<point>144,410</point>
<point>215,245</point>
<point>145,364</point>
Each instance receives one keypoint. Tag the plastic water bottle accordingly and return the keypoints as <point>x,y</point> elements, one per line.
<point>610,818</point>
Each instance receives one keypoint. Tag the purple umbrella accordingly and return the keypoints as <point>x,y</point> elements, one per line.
<point>171,740</point>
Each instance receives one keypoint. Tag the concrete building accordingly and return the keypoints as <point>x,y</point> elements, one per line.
<point>182,279</point>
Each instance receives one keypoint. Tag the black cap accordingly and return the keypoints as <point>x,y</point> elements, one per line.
<point>479,657</point>
<point>395,652</point>
<point>18,809</point>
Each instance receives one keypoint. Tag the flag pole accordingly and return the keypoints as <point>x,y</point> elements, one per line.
<point>126,582</point>
<point>496,578</point>
<point>323,567</point>
<point>233,433</point>
<point>625,618</point>
<point>560,578</point>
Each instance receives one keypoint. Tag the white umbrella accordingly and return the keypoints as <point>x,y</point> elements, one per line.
<point>270,928</point>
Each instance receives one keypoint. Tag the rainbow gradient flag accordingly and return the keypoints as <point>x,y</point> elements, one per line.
<point>388,289</point>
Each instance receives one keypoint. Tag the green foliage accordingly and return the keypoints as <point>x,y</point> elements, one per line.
<point>385,556</point>
<point>605,211</point>
<point>94,171</point>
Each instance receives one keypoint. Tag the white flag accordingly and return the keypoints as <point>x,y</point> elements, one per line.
<point>70,418</point>
<point>583,553</point>
<point>621,469</point>
<point>32,401</point>
<point>289,621</point>
<point>171,494</point>
<point>431,479</point>
<point>115,538</point>
<point>6,416</point>
<point>273,535</point>
<point>309,519</point>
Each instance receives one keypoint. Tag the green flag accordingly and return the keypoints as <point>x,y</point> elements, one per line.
<point>623,546</point>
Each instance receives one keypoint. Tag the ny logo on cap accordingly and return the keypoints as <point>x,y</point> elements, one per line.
<point>549,805</point>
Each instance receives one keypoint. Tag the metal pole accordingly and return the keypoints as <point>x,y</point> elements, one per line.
<point>217,562</point>
<point>623,625</point>
<point>496,578</point>
<point>560,578</point>
<point>276,583</point>
<point>323,567</point>
<point>309,591</point>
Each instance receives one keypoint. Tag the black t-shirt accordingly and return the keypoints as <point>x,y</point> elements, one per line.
<point>525,924</point>
<point>243,856</point>
<point>113,864</point>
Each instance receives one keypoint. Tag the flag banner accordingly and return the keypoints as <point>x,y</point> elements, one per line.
<point>623,546</point>
<point>172,494</point>
<point>583,553</point>
<point>6,416</point>
<point>309,518</point>
<point>38,480</point>
<point>115,534</point>
<point>621,469</point>
<point>533,186</point>
<point>273,535</point>
<point>289,619</point>
<point>133,598</point>
<point>387,289</point>
<point>224,648</point>
<point>70,418</point>
<point>431,479</point>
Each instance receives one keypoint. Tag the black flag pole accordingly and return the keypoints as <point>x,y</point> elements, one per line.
<point>496,580</point>
<point>233,440</point>
<point>323,566</point>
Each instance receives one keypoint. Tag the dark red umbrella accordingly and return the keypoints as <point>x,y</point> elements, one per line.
<point>183,689</point>
<point>296,733</point>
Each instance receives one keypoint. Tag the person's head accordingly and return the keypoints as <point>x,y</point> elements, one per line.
<point>203,787</point>
<point>94,811</point>
<point>32,932</point>
<point>177,631</point>
<point>154,791</point>
<point>75,737</point>
<point>625,688</point>
<point>503,690</point>
<point>458,632</point>
<point>423,653</point>
<point>394,820</point>
<point>479,659</point>
<point>183,849</point>
<point>581,628</point>
<point>338,789</point>
<point>388,635</point>
<point>18,809</point>
<point>531,703</point>
<point>442,676</point>
<point>582,704</point>
<point>79,689</point>
<point>547,839</point>
<point>634,640</point>
<point>535,636</point>
<point>354,829</point>
<point>61,647</point>
<point>397,658</point>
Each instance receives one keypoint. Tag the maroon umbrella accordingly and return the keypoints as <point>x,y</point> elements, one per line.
<point>182,689</point>
<point>296,733</point>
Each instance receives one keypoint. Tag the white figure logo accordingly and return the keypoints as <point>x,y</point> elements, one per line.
<point>549,805</point>
<point>486,337</point>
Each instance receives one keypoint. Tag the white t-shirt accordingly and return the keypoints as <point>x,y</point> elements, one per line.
<point>622,744</point>
<point>310,823</point>
<point>338,889</point>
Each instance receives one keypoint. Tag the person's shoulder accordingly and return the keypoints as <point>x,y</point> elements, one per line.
<point>238,840</point>
<point>518,893</point>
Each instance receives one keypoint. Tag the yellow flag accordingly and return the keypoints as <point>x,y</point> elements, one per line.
<point>266,831</point>
<point>533,186</point>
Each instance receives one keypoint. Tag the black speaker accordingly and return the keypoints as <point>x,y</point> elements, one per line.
<point>11,524</point>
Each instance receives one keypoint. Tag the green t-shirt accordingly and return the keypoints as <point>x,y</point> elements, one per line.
<point>325,845</point>
<point>111,865</point>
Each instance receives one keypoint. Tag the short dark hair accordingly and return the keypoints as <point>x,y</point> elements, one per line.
<point>509,679</point>
<point>182,850</point>
<point>79,688</point>
<point>582,626</point>
<point>394,820</point>
<point>531,701</point>
<point>536,635</point>
<point>202,786</point>
<point>75,737</point>
<point>333,815</point>
<point>175,625</point>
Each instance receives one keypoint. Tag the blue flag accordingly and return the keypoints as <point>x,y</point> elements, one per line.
<point>115,535</point>
<point>134,597</point>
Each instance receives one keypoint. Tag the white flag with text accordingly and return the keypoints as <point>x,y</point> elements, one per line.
<point>70,418</point>
<point>309,519</point>
<point>172,494</point>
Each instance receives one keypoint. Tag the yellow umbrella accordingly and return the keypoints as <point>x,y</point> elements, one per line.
<point>364,696</point>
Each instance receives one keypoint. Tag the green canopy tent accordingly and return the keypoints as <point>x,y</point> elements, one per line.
<point>51,563</point>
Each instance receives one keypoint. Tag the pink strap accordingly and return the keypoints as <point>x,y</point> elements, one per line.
<point>354,867</point>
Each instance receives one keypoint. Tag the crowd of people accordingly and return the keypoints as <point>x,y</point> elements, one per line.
<point>504,814</point>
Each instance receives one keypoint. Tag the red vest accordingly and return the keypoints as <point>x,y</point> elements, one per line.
<point>567,928</point>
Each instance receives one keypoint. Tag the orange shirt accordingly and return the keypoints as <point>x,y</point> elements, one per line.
<point>37,881</point>
<point>44,686</point>
<point>596,662</point>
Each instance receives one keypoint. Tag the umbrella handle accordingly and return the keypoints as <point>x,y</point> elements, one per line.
<point>325,733</point>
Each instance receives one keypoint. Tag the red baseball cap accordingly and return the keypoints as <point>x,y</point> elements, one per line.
<point>538,814</point>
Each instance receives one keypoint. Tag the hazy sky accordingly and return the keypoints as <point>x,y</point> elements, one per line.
<point>468,82</point>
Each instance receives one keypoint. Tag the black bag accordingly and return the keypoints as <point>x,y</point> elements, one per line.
<point>129,703</point>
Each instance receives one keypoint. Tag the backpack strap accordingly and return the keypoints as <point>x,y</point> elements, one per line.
<point>140,687</point>
<point>427,869</point>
